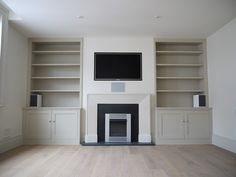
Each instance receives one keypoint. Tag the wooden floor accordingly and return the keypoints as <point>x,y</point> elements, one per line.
<point>118,161</point>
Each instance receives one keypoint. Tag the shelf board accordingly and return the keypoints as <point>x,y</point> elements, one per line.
<point>179,91</point>
<point>56,91</point>
<point>56,51</point>
<point>55,77</point>
<point>42,65</point>
<point>179,52</point>
<point>182,108</point>
<point>180,78</point>
<point>49,108</point>
<point>180,65</point>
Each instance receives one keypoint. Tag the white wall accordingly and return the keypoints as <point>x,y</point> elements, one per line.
<point>15,90</point>
<point>116,44</point>
<point>222,85</point>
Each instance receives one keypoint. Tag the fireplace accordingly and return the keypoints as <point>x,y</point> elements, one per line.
<point>118,122</point>
<point>117,127</point>
<point>140,118</point>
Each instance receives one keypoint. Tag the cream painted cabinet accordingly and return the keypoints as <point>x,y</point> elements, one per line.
<point>171,125</point>
<point>38,125</point>
<point>198,125</point>
<point>51,126</point>
<point>65,126</point>
<point>189,126</point>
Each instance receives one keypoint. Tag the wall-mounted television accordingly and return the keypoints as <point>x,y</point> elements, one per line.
<point>110,66</point>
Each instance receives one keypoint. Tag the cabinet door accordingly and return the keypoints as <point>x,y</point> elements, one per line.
<point>198,125</point>
<point>38,124</point>
<point>171,125</point>
<point>65,126</point>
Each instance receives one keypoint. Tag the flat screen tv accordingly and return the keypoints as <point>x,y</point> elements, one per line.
<point>117,66</point>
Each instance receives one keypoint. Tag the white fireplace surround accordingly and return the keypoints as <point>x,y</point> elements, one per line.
<point>143,100</point>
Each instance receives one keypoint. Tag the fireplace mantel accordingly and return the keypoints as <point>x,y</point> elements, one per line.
<point>143,100</point>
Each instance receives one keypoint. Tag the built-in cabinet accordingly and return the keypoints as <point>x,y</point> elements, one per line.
<point>181,72</point>
<point>184,126</point>
<point>55,73</point>
<point>51,126</point>
<point>37,124</point>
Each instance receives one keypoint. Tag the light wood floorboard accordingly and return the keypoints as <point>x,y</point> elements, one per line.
<point>118,161</point>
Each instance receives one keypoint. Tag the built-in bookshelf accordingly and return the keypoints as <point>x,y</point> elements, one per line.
<point>56,71</point>
<point>180,71</point>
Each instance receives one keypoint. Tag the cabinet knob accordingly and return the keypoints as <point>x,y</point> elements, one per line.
<point>54,121</point>
<point>50,121</point>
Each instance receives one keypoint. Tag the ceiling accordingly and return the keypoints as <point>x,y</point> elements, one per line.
<point>75,18</point>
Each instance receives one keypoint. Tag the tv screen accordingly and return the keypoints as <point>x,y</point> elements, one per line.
<point>117,66</point>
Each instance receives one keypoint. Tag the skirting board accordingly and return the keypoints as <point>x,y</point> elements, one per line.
<point>224,143</point>
<point>10,143</point>
<point>91,138</point>
<point>50,142</point>
<point>186,142</point>
<point>142,138</point>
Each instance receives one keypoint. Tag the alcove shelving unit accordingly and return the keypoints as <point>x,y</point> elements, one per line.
<point>180,72</point>
<point>56,71</point>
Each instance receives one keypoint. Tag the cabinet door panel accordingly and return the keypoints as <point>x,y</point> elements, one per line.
<point>38,124</point>
<point>198,125</point>
<point>171,125</point>
<point>65,125</point>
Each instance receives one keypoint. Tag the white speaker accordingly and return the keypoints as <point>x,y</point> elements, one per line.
<point>35,100</point>
<point>199,100</point>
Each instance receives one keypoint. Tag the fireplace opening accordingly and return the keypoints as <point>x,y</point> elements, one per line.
<point>117,123</point>
<point>117,127</point>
